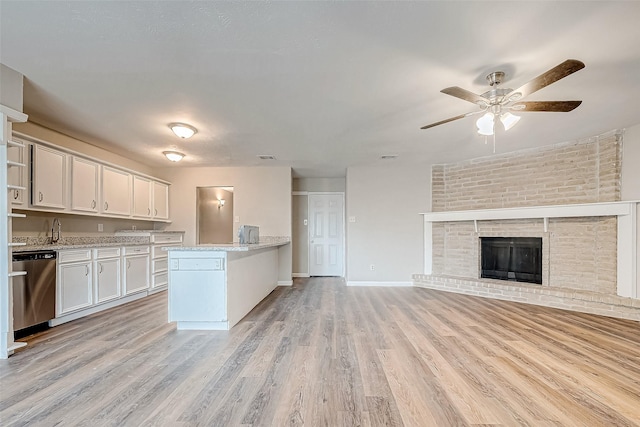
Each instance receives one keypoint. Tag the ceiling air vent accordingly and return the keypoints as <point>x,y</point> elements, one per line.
<point>266,157</point>
<point>389,157</point>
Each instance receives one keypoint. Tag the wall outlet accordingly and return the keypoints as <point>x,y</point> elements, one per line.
<point>100,227</point>
<point>352,219</point>
<point>372,267</point>
<point>305,222</point>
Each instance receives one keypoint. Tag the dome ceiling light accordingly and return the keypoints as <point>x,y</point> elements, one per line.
<point>183,130</point>
<point>174,156</point>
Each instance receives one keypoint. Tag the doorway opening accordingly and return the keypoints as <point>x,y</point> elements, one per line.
<point>214,214</point>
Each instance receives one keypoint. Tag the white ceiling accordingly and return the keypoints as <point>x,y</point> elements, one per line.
<point>320,85</point>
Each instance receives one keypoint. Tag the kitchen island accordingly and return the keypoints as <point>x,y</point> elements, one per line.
<point>214,286</point>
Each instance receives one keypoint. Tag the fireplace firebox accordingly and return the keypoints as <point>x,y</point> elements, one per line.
<point>511,258</point>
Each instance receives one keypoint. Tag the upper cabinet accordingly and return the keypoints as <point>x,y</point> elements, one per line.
<point>116,192</point>
<point>45,177</point>
<point>160,200</point>
<point>141,197</point>
<point>84,185</point>
<point>49,170</point>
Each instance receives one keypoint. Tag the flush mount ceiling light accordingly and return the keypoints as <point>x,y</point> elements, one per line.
<point>174,156</point>
<point>183,130</point>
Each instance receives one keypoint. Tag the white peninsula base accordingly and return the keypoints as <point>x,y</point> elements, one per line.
<point>215,286</point>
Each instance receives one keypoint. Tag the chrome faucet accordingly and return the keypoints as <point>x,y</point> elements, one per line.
<point>55,236</point>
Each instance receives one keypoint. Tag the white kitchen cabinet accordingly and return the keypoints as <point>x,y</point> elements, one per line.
<point>136,269</point>
<point>160,200</point>
<point>159,258</point>
<point>17,172</point>
<point>74,282</point>
<point>141,197</point>
<point>84,185</point>
<point>116,192</point>
<point>49,172</point>
<point>108,274</point>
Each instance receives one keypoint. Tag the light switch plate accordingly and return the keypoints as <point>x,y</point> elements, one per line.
<point>236,219</point>
<point>305,222</point>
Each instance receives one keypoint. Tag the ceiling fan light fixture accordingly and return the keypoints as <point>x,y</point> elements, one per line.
<point>485,124</point>
<point>183,130</point>
<point>509,120</point>
<point>174,156</point>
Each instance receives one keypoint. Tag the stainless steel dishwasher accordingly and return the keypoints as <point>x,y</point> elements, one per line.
<point>34,294</point>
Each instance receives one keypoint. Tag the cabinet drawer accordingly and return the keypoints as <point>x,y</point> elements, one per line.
<point>158,252</point>
<point>159,280</point>
<point>135,250</point>
<point>74,255</point>
<point>166,238</point>
<point>160,265</point>
<point>106,253</point>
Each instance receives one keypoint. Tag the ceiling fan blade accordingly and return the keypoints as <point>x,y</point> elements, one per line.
<point>464,94</point>
<point>441,122</point>
<point>555,106</point>
<point>558,72</point>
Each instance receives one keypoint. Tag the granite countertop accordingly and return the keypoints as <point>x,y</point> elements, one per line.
<point>144,232</point>
<point>40,243</point>
<point>265,242</point>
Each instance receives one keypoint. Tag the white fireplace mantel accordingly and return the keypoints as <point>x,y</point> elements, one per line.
<point>628,282</point>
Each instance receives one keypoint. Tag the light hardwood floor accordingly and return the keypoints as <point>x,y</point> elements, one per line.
<point>319,353</point>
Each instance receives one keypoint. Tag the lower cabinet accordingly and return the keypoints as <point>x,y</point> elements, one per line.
<point>75,290</point>
<point>88,278</point>
<point>136,269</point>
<point>108,274</point>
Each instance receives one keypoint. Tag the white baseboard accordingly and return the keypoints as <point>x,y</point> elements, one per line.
<point>300,275</point>
<point>285,282</point>
<point>388,284</point>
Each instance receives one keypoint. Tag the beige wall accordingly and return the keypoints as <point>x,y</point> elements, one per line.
<point>631,164</point>
<point>62,140</point>
<point>337,185</point>
<point>261,196</point>
<point>11,84</point>
<point>388,231</point>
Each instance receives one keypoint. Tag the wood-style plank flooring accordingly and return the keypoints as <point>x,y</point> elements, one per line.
<point>320,353</point>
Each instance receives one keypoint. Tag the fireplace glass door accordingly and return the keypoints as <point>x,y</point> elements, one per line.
<point>511,258</point>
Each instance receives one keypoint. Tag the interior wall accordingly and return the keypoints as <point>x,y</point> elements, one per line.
<point>214,222</point>
<point>37,131</point>
<point>11,88</point>
<point>261,195</point>
<point>384,228</point>
<point>630,161</point>
<point>38,224</point>
<point>320,184</point>
<point>300,236</point>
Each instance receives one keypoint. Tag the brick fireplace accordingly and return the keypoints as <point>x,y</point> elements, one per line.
<point>565,194</point>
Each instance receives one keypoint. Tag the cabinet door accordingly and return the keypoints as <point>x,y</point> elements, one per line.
<point>49,177</point>
<point>160,200</point>
<point>141,197</point>
<point>74,287</point>
<point>16,175</point>
<point>116,192</point>
<point>136,273</point>
<point>107,279</point>
<point>84,185</point>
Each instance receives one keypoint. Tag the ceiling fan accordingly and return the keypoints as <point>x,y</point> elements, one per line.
<point>499,102</point>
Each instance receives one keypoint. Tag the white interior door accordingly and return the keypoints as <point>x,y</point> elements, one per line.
<point>326,234</point>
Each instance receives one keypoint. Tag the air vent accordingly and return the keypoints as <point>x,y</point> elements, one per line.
<point>389,157</point>
<point>266,157</point>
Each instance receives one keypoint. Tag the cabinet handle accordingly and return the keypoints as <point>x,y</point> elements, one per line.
<point>128,264</point>
<point>100,264</point>
<point>106,206</point>
<point>155,212</point>
<point>86,272</point>
<point>93,204</point>
<point>40,196</point>
<point>148,211</point>
<point>16,194</point>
